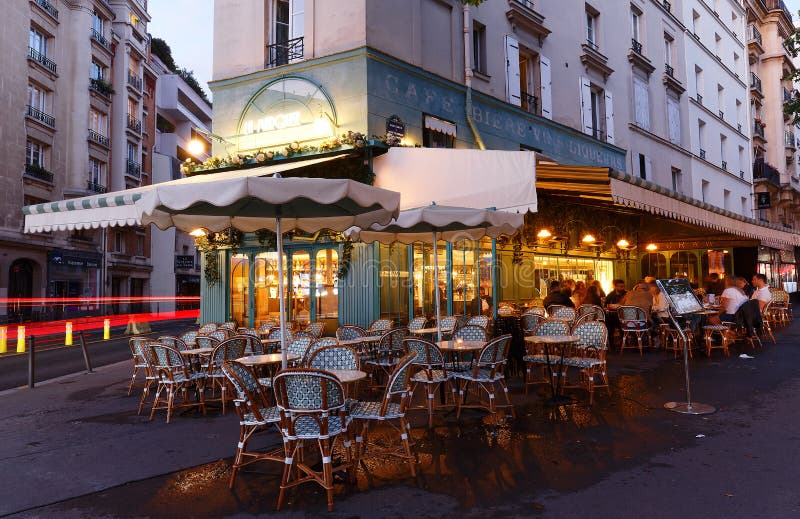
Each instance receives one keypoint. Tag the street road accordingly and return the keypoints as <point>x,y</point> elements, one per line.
<point>53,359</point>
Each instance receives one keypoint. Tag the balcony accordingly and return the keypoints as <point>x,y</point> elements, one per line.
<point>102,87</point>
<point>133,169</point>
<point>95,187</point>
<point>765,172</point>
<point>789,141</point>
<point>702,154</point>
<point>41,59</point>
<point>99,138</point>
<point>35,113</point>
<point>779,5</point>
<point>47,7</point>
<point>755,85</point>
<point>667,6</point>
<point>592,58</point>
<point>522,14</point>
<point>285,52</point>
<point>671,81</point>
<point>758,130</point>
<point>134,81</point>
<point>530,103</point>
<point>39,173</point>
<point>134,124</point>
<point>99,38</point>
<point>754,36</point>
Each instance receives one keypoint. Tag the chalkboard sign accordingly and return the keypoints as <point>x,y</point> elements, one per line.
<point>395,127</point>
<point>184,262</point>
<point>763,201</point>
<point>680,295</point>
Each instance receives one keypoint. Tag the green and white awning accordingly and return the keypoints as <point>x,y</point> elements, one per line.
<point>91,212</point>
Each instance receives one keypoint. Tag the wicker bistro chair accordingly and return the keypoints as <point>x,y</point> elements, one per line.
<point>591,356</point>
<point>317,328</point>
<point>188,338</point>
<point>536,310</point>
<point>334,357</point>
<point>255,415</point>
<point>724,332</point>
<point>449,322</point>
<point>767,320</point>
<point>478,320</point>
<point>139,362</point>
<point>174,375</point>
<point>536,357</point>
<point>594,313</point>
<point>221,334</point>
<point>230,325</point>
<point>417,323</point>
<point>207,328</point>
<point>633,321</point>
<point>431,373</point>
<point>206,341</point>
<point>250,335</point>
<point>311,404</point>
<point>390,410</point>
<point>316,345</point>
<point>379,327</point>
<point>275,333</point>
<point>173,342</point>
<point>485,375</point>
<point>265,327</point>
<point>530,322</point>
<point>299,346</point>
<point>151,372</point>
<point>383,357</point>
<point>349,332</point>
<point>471,332</point>
<point>560,312</point>
<point>780,306</point>
<point>230,349</point>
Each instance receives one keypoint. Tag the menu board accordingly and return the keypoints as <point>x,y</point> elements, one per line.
<point>680,295</point>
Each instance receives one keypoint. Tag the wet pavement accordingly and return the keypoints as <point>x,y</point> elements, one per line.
<point>625,456</point>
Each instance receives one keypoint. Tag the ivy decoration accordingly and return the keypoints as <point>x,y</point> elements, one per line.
<point>209,245</point>
<point>346,259</point>
<point>516,257</point>
<point>267,239</point>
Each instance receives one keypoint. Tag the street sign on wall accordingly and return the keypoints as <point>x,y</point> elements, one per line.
<point>184,262</point>
<point>763,201</point>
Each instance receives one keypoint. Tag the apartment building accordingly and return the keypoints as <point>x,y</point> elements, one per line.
<point>64,103</point>
<point>182,116</point>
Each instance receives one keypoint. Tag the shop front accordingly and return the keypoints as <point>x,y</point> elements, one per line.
<point>72,275</point>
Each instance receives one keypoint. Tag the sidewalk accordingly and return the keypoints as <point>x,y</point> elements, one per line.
<point>624,457</point>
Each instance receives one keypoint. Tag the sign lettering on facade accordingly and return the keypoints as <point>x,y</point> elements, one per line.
<point>395,127</point>
<point>763,201</point>
<point>184,262</point>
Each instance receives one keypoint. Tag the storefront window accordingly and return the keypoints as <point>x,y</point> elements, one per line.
<point>465,278</point>
<point>717,262</point>
<point>394,282</point>
<point>654,264</point>
<point>240,280</point>
<point>266,286</point>
<point>684,263</point>
<point>327,284</point>
<point>424,295</point>
<point>788,271</point>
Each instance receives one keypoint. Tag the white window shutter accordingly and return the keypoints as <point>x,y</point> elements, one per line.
<point>545,90</point>
<point>641,103</point>
<point>586,105</point>
<point>648,169</point>
<point>674,117</point>
<point>512,72</point>
<point>296,18</point>
<point>609,118</point>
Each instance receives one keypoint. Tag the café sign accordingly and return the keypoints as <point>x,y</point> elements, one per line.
<point>286,110</point>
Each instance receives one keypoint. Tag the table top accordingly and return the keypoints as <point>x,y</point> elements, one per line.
<point>261,360</point>
<point>425,331</point>
<point>351,342</point>
<point>273,340</point>
<point>198,351</point>
<point>461,346</point>
<point>552,339</point>
<point>348,375</point>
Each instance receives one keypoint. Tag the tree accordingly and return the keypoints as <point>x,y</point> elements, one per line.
<point>791,107</point>
<point>161,49</point>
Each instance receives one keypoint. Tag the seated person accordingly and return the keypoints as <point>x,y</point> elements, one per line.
<point>761,292</point>
<point>558,296</point>
<point>640,296</point>
<point>660,304</point>
<point>731,299</point>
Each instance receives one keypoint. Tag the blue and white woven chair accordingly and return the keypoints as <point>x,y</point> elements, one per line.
<point>536,357</point>
<point>334,357</point>
<point>431,373</point>
<point>383,357</point>
<point>417,323</point>
<point>139,363</point>
<point>530,321</point>
<point>275,333</point>
<point>471,332</point>
<point>188,338</point>
<point>560,312</point>
<point>264,328</point>
<point>349,332</point>
<point>207,328</point>
<point>227,350</point>
<point>206,341</point>
<point>479,320</point>
<point>254,346</point>
<point>316,345</point>
<point>312,406</point>
<point>633,322</point>
<point>173,342</point>
<point>299,346</point>
<point>379,327</point>
<point>590,357</point>
<point>485,376</point>
<point>230,325</point>
<point>221,334</point>
<point>594,313</point>
<point>255,414</point>
<point>151,372</point>
<point>390,410</point>
<point>174,375</point>
<point>536,310</point>
<point>317,328</point>
<point>449,323</point>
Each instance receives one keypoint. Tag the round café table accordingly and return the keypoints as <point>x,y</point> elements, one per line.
<point>197,351</point>
<point>457,348</point>
<point>265,360</point>
<point>560,342</point>
<point>348,376</point>
<point>430,331</point>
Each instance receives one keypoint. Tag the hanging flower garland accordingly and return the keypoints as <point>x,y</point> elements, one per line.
<point>210,244</point>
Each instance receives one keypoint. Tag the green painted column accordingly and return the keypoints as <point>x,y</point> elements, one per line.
<point>251,289</point>
<point>448,265</point>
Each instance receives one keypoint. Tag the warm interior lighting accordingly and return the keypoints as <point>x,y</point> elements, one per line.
<point>322,125</point>
<point>724,252</point>
<point>544,233</point>
<point>623,244</point>
<point>196,147</point>
<point>198,233</point>
<point>588,239</point>
<point>651,247</point>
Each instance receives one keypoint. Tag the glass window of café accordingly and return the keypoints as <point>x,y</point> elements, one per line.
<point>393,281</point>
<point>684,263</point>
<point>718,262</point>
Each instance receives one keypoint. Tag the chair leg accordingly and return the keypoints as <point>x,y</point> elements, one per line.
<point>407,446</point>
<point>170,402</point>
<point>133,377</point>
<point>327,470</point>
<point>237,460</point>
<point>508,397</point>
<point>145,392</point>
<point>287,471</point>
<point>155,401</point>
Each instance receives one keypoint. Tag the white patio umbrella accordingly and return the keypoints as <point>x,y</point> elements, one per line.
<point>436,222</point>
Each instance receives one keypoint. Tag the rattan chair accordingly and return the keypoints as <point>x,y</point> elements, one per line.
<point>390,410</point>
<point>767,318</point>
<point>221,334</point>
<point>417,323</point>
<point>151,371</point>
<point>591,313</point>
<point>349,332</point>
<point>334,357</point>
<point>206,341</point>
<point>471,332</point>
<point>530,321</point>
<point>536,357</point>
<point>383,357</point>
<point>227,350</point>
<point>230,325</point>
<point>722,332</point>
<point>449,324</point>
<point>591,357</point>
<point>173,342</point>
<point>316,345</point>
<point>379,327</point>
<point>536,310</point>
<point>312,404</point>
<point>562,313</point>
<point>479,320</point>
<point>207,328</point>
<point>188,338</point>
<point>139,363</point>
<point>255,414</point>
<point>633,322</point>
<point>317,328</point>
<point>485,376</point>
<point>431,373</point>
<point>174,375</point>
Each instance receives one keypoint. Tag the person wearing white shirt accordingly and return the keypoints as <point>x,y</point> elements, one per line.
<point>762,292</point>
<point>731,299</point>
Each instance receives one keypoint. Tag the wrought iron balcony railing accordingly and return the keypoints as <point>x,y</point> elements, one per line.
<point>530,103</point>
<point>48,8</point>
<point>755,82</point>
<point>38,172</point>
<point>753,34</point>
<point>284,52</point>
<point>636,46</point>
<point>96,187</point>
<point>101,86</point>
<point>99,138</point>
<point>669,70</point>
<point>134,81</point>
<point>99,38</point>
<point>40,116</point>
<point>133,169</point>
<point>42,60</point>
<point>134,124</point>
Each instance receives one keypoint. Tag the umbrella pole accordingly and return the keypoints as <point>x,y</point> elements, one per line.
<point>281,307</point>
<point>436,288</point>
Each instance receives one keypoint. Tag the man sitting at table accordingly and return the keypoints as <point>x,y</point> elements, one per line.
<point>731,299</point>
<point>762,292</point>
<point>557,296</point>
<point>612,303</point>
<point>640,296</point>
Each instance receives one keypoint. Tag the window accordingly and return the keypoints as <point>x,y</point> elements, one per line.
<point>644,167</point>
<point>736,64</point>
<point>739,114</point>
<point>592,16</point>
<point>704,190</point>
<point>37,98</point>
<point>726,199</point>
<point>289,20</point>
<point>98,24</point>
<point>701,127</point>
<point>34,153</point>
<point>97,71</point>
<point>721,101</point>
<point>438,133</point>
<point>636,16</point>
<point>282,21</point>
<point>133,107</point>
<point>674,119</point>
<point>97,122</point>
<point>698,83</point>
<point>132,152</point>
<point>696,24</point>
<point>139,245</point>
<point>668,49</point>
<point>641,101</point>
<point>741,161</point>
<point>677,180</point>
<point>96,172</point>
<point>38,42</point>
<point>718,45</point>
<point>722,145</point>
<point>119,242</point>
<point>478,47</point>
<point>744,205</point>
<point>597,111</point>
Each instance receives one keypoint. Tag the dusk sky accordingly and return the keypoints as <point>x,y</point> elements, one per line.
<point>186,25</point>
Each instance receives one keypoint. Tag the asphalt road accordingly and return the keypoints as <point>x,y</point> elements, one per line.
<point>54,360</point>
